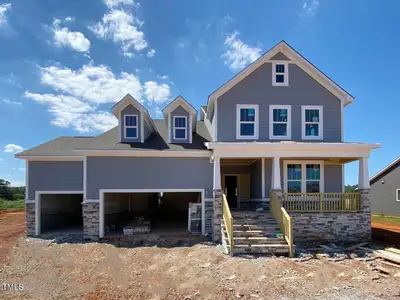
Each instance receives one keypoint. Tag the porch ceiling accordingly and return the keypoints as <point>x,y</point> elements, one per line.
<point>239,161</point>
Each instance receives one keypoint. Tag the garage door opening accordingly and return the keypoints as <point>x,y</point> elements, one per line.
<point>158,213</point>
<point>61,213</point>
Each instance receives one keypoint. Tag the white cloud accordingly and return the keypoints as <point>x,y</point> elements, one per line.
<point>156,92</point>
<point>69,19</point>
<point>309,8</point>
<point>96,84</point>
<point>16,182</point>
<point>123,28</point>
<point>3,9</point>
<point>239,54</point>
<point>164,77</point>
<point>6,101</point>
<point>78,94</point>
<point>73,39</point>
<point>12,148</point>
<point>21,169</point>
<point>114,3</point>
<point>151,53</point>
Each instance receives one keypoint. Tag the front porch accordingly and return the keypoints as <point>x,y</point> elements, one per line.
<point>304,195</point>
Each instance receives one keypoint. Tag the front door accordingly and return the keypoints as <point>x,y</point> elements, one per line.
<point>231,190</point>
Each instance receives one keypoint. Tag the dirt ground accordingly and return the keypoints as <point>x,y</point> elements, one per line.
<point>49,270</point>
<point>12,225</point>
<point>386,234</point>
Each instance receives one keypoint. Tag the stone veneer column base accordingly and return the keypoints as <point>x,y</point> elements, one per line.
<point>209,218</point>
<point>30,218</point>
<point>217,195</point>
<point>91,215</point>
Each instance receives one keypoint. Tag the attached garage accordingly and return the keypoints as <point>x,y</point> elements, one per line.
<point>59,213</point>
<point>149,211</point>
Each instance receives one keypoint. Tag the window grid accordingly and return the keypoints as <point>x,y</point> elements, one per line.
<point>275,120</point>
<point>280,74</point>
<point>131,121</point>
<point>312,116</point>
<point>179,127</point>
<point>311,181</point>
<point>246,115</point>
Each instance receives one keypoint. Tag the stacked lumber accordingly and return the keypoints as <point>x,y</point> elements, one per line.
<point>389,263</point>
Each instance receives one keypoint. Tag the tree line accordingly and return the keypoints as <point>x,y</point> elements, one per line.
<point>9,192</point>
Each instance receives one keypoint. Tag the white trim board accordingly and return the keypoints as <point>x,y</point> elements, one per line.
<point>103,191</point>
<point>38,204</point>
<point>50,158</point>
<point>146,153</point>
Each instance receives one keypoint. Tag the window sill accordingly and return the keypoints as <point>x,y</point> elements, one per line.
<point>280,137</point>
<point>247,137</point>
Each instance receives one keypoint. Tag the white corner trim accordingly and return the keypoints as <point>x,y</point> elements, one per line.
<point>91,201</point>
<point>169,128</point>
<point>288,136</point>
<point>38,195</point>
<point>186,128</point>
<point>263,177</point>
<point>216,122</point>
<point>209,199</point>
<point>342,122</point>
<point>26,180</point>
<point>285,74</point>
<point>103,191</point>
<point>141,128</point>
<point>320,123</point>
<point>84,177</point>
<point>126,126</point>
<point>29,201</point>
<point>190,129</point>
<point>239,122</point>
<point>303,164</point>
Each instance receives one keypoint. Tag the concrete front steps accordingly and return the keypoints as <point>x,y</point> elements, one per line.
<point>255,233</point>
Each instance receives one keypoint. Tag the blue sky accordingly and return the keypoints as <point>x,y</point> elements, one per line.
<point>64,63</point>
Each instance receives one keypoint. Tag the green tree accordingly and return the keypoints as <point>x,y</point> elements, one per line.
<point>350,188</point>
<point>5,189</point>
<point>18,197</point>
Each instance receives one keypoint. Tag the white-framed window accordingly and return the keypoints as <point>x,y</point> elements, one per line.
<point>180,127</point>
<point>246,121</point>
<point>397,194</point>
<point>312,122</point>
<point>131,126</point>
<point>304,176</point>
<point>280,73</point>
<point>280,122</point>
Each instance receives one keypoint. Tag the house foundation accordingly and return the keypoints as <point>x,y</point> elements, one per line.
<point>217,215</point>
<point>30,218</point>
<point>91,215</point>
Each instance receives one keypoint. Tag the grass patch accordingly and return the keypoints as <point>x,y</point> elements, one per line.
<point>387,219</point>
<point>12,204</point>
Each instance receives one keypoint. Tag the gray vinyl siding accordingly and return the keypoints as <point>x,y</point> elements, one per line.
<point>333,179</point>
<point>257,89</point>
<point>255,180</point>
<point>146,130</point>
<point>280,56</point>
<point>148,173</point>
<point>181,112</point>
<point>129,110</point>
<point>54,176</point>
<point>383,195</point>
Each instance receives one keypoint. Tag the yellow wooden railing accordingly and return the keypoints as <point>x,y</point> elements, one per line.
<point>228,220</point>
<point>284,221</point>
<point>321,202</point>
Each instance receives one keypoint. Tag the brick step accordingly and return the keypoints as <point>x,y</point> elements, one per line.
<point>276,249</point>
<point>256,241</point>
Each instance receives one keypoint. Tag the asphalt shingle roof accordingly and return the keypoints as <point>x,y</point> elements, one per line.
<point>109,140</point>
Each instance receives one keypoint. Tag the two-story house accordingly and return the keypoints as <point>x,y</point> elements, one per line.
<point>272,137</point>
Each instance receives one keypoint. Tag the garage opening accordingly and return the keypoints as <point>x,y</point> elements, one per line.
<point>61,213</point>
<point>158,213</point>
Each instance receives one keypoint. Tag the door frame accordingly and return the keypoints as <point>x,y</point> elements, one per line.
<point>238,187</point>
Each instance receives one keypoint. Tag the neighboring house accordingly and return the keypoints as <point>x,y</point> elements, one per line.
<point>276,128</point>
<point>385,190</point>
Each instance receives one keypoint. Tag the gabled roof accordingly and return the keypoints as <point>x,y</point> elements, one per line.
<point>179,101</point>
<point>388,168</point>
<point>129,100</point>
<point>294,56</point>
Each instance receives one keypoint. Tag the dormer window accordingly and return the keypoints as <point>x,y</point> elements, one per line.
<point>131,127</point>
<point>180,127</point>
<point>280,74</point>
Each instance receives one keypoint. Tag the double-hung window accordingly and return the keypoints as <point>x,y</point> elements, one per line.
<point>304,177</point>
<point>246,121</point>
<point>312,122</point>
<point>180,127</point>
<point>280,122</point>
<point>131,126</point>
<point>280,74</point>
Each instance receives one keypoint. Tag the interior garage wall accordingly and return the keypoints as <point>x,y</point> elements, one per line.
<point>60,211</point>
<point>54,176</point>
<point>148,173</point>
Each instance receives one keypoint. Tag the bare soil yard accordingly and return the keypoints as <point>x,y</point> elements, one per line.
<point>102,271</point>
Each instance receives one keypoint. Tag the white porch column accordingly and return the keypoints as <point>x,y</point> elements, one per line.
<point>263,192</point>
<point>276,174</point>
<point>217,173</point>
<point>363,177</point>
